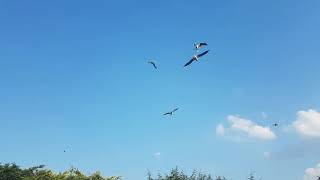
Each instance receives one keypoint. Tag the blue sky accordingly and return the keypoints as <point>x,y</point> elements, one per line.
<point>74,76</point>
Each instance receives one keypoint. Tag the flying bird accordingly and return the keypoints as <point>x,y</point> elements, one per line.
<point>200,45</point>
<point>275,124</point>
<point>41,166</point>
<point>153,63</point>
<point>171,112</point>
<point>196,58</point>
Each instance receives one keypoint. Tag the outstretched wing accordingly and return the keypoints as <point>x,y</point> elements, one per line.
<point>154,65</point>
<point>202,54</point>
<point>175,109</point>
<point>203,44</point>
<point>189,62</point>
<point>166,113</point>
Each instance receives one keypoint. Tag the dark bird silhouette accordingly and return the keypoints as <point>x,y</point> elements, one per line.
<point>153,63</point>
<point>171,112</point>
<point>275,124</point>
<point>200,45</point>
<point>41,166</point>
<point>196,58</point>
<point>64,151</point>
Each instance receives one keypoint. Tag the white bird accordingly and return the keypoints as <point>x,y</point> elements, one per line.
<point>196,58</point>
<point>200,45</point>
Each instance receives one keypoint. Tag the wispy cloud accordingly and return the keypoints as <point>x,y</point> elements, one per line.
<point>244,128</point>
<point>264,115</point>
<point>157,155</point>
<point>300,149</point>
<point>220,130</point>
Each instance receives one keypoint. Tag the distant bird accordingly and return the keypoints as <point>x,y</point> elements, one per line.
<point>171,112</point>
<point>275,124</point>
<point>153,63</point>
<point>64,151</point>
<point>196,58</point>
<point>200,45</point>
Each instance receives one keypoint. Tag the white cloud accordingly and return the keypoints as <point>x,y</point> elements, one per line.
<point>240,127</point>
<point>307,123</point>
<point>312,173</point>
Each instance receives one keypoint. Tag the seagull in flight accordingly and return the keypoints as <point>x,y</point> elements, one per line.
<point>153,63</point>
<point>196,58</point>
<point>200,45</point>
<point>171,112</point>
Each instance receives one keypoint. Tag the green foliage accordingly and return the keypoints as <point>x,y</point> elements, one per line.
<point>14,172</point>
<point>175,174</point>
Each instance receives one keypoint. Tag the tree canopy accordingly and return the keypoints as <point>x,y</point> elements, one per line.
<point>176,174</point>
<point>14,172</point>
